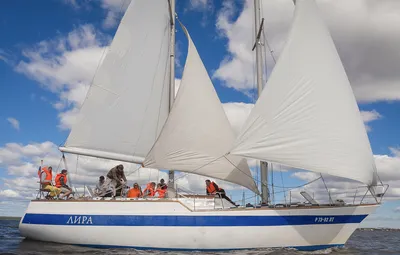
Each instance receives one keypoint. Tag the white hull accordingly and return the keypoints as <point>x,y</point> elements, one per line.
<point>172,225</point>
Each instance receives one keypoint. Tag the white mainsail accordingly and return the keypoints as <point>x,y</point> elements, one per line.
<point>128,102</point>
<point>307,116</point>
<point>197,132</point>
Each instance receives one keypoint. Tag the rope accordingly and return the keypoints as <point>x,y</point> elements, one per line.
<point>175,179</point>
<point>58,167</point>
<point>272,184</point>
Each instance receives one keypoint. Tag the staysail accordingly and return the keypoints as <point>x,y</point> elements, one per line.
<point>197,133</point>
<point>307,116</point>
<point>128,103</point>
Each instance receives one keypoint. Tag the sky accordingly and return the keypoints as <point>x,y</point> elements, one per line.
<point>50,50</point>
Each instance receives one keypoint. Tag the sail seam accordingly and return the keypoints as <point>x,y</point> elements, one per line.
<point>151,92</point>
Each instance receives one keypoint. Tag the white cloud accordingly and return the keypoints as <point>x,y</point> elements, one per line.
<point>13,153</point>
<point>395,151</point>
<point>14,123</point>
<point>3,58</point>
<point>369,116</point>
<point>65,66</point>
<point>206,7</point>
<point>9,193</point>
<point>200,4</point>
<point>6,57</point>
<point>115,10</point>
<point>364,32</point>
<point>22,161</point>
<point>345,189</point>
<point>388,167</point>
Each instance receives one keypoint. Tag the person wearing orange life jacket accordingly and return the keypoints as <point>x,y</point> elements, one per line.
<point>163,185</point>
<point>61,183</point>
<point>46,178</point>
<point>149,190</point>
<point>213,189</point>
<point>135,192</point>
<point>161,191</point>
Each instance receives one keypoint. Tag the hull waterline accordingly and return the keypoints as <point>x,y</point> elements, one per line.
<point>171,225</point>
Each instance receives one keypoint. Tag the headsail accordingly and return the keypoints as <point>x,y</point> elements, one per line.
<point>197,132</point>
<point>307,116</point>
<point>127,104</point>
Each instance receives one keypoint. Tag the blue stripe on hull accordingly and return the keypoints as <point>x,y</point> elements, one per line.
<point>300,248</point>
<point>186,221</point>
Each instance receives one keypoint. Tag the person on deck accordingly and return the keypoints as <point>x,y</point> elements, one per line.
<point>135,192</point>
<point>61,183</point>
<point>116,179</point>
<point>46,178</point>
<point>163,185</point>
<point>213,189</point>
<point>149,191</point>
<point>160,191</point>
<point>101,189</point>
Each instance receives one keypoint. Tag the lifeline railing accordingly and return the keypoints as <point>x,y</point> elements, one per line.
<point>369,189</point>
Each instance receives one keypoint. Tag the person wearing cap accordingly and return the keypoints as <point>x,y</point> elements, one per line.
<point>61,183</point>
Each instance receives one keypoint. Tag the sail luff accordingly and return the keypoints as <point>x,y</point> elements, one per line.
<point>307,116</point>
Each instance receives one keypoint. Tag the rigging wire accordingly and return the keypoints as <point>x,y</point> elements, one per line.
<point>272,184</point>
<point>329,194</point>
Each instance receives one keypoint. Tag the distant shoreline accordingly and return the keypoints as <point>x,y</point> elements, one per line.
<point>9,218</point>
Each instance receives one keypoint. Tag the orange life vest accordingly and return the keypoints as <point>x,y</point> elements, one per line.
<point>211,189</point>
<point>49,176</point>
<point>41,169</point>
<point>58,181</point>
<point>161,192</point>
<point>150,189</point>
<point>133,193</point>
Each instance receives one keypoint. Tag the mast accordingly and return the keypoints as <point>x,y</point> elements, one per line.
<point>171,173</point>
<point>258,28</point>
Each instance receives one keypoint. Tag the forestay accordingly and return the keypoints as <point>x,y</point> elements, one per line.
<point>197,132</point>
<point>307,116</point>
<point>127,104</point>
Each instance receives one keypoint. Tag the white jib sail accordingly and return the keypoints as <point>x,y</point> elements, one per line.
<point>197,132</point>
<point>307,116</point>
<point>127,104</point>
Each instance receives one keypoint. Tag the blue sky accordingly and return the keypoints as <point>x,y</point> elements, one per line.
<point>41,85</point>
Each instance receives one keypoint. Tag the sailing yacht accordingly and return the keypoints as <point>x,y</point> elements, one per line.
<point>131,114</point>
